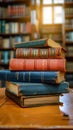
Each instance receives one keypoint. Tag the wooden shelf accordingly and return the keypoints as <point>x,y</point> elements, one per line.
<point>69,17</point>
<point>68,29</point>
<point>66,4</point>
<point>4,64</point>
<point>6,49</point>
<point>52,24</point>
<point>25,18</point>
<point>69,42</point>
<point>47,33</point>
<point>54,4</point>
<point>69,71</point>
<point>15,2</point>
<point>14,34</point>
<point>69,57</point>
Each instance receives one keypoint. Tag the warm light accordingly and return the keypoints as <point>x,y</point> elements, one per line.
<point>58,14</point>
<point>47,1</point>
<point>47,15</point>
<point>58,1</point>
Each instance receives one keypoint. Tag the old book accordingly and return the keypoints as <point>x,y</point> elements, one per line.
<point>32,89</point>
<point>33,43</point>
<point>32,76</point>
<point>40,53</point>
<point>39,43</point>
<point>37,64</point>
<point>30,101</point>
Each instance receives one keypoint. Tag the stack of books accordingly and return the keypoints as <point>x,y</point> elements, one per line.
<point>36,76</point>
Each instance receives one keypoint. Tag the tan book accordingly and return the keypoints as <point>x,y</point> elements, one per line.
<point>30,101</point>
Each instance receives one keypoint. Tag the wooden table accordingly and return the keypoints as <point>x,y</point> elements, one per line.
<point>43,117</point>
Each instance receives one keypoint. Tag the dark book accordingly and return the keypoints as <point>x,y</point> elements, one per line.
<point>32,89</point>
<point>32,101</point>
<point>37,64</point>
<point>32,76</point>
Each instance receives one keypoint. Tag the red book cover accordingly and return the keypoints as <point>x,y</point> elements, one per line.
<point>37,64</point>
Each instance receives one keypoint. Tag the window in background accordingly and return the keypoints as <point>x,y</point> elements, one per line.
<point>58,14</point>
<point>58,1</point>
<point>52,13</point>
<point>47,2</point>
<point>47,15</point>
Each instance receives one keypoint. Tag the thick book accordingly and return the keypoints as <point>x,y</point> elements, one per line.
<point>37,64</point>
<point>32,76</point>
<point>40,53</point>
<point>32,89</point>
<point>32,101</point>
<point>39,43</point>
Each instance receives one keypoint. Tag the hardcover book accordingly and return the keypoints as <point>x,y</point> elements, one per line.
<point>32,76</point>
<point>40,53</point>
<point>37,64</point>
<point>32,101</point>
<point>39,43</point>
<point>32,89</point>
<point>34,43</point>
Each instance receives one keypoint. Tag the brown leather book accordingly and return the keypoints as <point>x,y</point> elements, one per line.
<point>40,53</point>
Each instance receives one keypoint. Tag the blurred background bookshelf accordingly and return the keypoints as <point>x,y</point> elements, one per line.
<point>68,41</point>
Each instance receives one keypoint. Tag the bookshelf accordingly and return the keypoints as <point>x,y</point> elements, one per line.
<point>68,41</point>
<point>15,26</point>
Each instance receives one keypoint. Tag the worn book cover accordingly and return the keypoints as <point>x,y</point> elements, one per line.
<point>31,101</point>
<point>38,64</point>
<point>31,89</point>
<point>32,76</point>
<point>39,43</point>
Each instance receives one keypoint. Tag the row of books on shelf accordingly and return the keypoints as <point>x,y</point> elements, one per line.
<point>69,78</point>
<point>51,29</point>
<point>14,27</point>
<point>31,82</point>
<point>69,66</point>
<point>69,11</point>
<point>69,51</point>
<point>69,23</point>
<point>69,36</point>
<point>14,11</point>
<point>55,37</point>
<point>12,40</point>
<point>10,1</point>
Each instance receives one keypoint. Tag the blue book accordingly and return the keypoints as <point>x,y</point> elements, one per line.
<point>32,76</point>
<point>32,89</point>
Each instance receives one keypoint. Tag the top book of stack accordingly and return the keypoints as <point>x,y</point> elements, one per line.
<point>39,43</point>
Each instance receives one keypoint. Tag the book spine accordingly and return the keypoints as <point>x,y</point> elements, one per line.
<point>37,64</point>
<point>41,77</point>
<point>38,53</point>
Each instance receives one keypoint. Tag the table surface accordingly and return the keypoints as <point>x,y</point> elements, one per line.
<point>43,117</point>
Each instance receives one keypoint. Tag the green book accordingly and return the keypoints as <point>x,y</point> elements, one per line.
<point>34,43</point>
